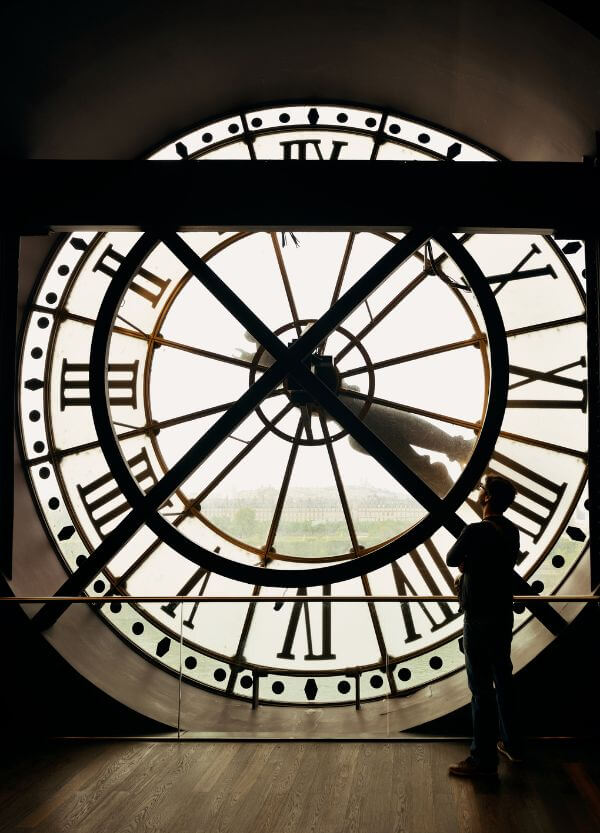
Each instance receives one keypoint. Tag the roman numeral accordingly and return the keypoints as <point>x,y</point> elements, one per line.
<point>75,384</point>
<point>518,273</point>
<point>531,521</point>
<point>102,498</point>
<point>110,260</point>
<point>186,590</point>
<point>303,146</point>
<point>553,377</point>
<point>297,608</point>
<point>405,588</point>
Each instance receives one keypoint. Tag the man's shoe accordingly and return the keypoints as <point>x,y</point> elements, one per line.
<point>469,768</point>
<point>510,754</point>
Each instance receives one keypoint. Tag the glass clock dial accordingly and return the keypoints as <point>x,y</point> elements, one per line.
<point>290,491</point>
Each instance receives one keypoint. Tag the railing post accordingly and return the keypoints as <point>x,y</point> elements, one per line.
<point>357,690</point>
<point>256,675</point>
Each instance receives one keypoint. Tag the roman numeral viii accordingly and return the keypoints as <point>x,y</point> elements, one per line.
<point>104,501</point>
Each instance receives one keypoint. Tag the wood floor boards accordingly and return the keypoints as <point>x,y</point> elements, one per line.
<point>301,787</point>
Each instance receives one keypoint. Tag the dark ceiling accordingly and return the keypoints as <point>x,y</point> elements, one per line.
<point>113,79</point>
<point>584,12</point>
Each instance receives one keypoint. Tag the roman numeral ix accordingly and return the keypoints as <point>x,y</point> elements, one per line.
<point>75,384</point>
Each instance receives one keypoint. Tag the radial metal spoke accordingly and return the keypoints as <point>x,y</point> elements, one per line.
<point>66,315</point>
<point>155,426</point>
<point>125,425</point>
<point>391,305</point>
<point>208,354</point>
<point>215,409</point>
<point>559,449</point>
<point>546,325</point>
<point>340,280</point>
<point>140,335</point>
<point>286,283</point>
<point>283,490</point>
<point>305,415</point>
<point>404,293</point>
<point>122,580</point>
<point>465,423</point>
<point>240,456</point>
<point>409,409</point>
<point>130,324</point>
<point>340,486</point>
<point>238,658</point>
<point>420,354</point>
<point>378,632</point>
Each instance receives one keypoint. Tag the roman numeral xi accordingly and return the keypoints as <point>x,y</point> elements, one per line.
<point>146,284</point>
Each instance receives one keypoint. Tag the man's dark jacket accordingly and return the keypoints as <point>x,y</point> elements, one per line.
<point>488,550</point>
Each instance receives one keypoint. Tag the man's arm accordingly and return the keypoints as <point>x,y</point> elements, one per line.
<point>461,549</point>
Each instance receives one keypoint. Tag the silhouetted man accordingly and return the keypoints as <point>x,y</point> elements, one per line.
<point>486,553</point>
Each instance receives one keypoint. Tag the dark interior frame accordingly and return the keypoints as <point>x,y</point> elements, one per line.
<point>43,197</point>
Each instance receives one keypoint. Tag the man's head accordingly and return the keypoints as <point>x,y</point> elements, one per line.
<point>497,493</point>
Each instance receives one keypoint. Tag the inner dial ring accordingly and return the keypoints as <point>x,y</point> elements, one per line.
<point>144,506</point>
<point>261,357</point>
<point>434,472</point>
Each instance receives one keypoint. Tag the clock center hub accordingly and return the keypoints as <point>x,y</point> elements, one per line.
<point>324,369</point>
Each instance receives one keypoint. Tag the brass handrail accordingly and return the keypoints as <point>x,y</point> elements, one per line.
<point>279,598</point>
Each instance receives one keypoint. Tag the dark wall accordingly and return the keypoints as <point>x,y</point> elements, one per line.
<point>112,79</point>
<point>42,695</point>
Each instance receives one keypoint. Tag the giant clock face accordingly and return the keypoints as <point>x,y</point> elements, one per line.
<point>289,496</point>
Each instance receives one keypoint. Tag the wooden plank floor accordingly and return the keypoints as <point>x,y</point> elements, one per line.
<point>166,787</point>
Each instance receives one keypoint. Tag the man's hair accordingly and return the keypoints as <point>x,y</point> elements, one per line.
<point>501,492</point>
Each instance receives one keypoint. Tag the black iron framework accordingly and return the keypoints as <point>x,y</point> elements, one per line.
<point>539,197</point>
<point>493,187</point>
<point>289,361</point>
<point>542,197</point>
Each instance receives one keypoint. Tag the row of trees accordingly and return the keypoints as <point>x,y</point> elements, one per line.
<point>308,537</point>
